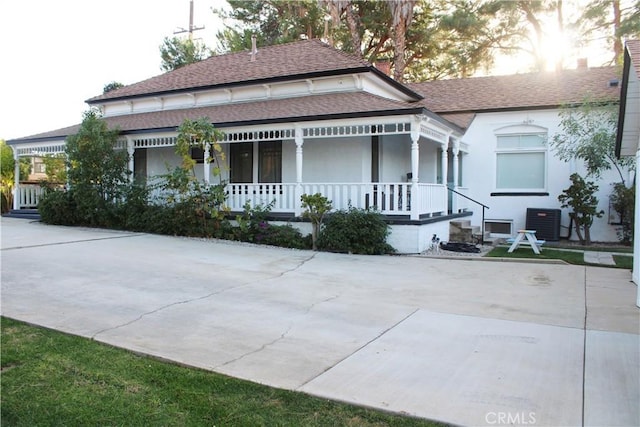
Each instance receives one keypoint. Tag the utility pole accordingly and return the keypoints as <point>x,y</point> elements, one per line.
<point>192,27</point>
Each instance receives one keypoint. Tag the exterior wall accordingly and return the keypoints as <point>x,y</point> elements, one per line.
<point>412,239</point>
<point>160,159</point>
<point>395,159</point>
<point>406,239</point>
<point>480,175</point>
<point>346,159</point>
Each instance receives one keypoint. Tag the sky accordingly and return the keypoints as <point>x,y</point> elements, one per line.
<point>59,53</point>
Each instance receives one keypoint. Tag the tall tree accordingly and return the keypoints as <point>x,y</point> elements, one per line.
<point>272,21</point>
<point>402,14</point>
<point>613,20</point>
<point>176,52</point>
<point>424,39</point>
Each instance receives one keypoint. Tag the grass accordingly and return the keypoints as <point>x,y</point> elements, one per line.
<point>51,378</point>
<point>576,256</point>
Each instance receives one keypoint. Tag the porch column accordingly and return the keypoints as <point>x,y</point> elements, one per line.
<point>416,202</point>
<point>456,151</point>
<point>130,151</point>
<point>207,165</point>
<point>445,172</point>
<point>297,206</point>
<point>16,179</point>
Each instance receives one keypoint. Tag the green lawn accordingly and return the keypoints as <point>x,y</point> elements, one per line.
<point>50,378</point>
<point>571,257</point>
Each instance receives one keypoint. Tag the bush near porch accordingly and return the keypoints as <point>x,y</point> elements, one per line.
<point>356,231</point>
<point>101,194</point>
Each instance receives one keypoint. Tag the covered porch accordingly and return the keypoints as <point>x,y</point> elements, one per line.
<point>351,162</point>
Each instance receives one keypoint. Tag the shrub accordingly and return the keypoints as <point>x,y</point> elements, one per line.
<point>358,231</point>
<point>57,207</point>
<point>282,235</point>
<point>623,200</point>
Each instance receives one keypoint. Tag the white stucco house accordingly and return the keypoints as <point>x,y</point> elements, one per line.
<point>305,118</point>
<point>628,138</point>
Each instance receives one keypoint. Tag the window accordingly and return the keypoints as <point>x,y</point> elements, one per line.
<point>241,162</point>
<point>269,162</point>
<point>39,165</point>
<point>521,162</point>
<point>270,165</point>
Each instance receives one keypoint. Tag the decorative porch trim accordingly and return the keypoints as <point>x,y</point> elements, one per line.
<point>40,150</point>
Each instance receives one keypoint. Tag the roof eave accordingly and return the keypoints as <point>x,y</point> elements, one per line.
<point>623,101</point>
<point>328,73</point>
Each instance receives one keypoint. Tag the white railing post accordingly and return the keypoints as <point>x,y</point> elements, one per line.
<point>206,164</point>
<point>455,197</point>
<point>445,172</point>
<point>16,179</point>
<point>297,203</point>
<point>130,151</point>
<point>415,162</point>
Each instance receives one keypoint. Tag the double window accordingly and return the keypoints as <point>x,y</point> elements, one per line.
<point>269,164</point>
<point>521,162</point>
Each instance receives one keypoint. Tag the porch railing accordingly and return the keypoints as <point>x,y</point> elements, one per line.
<point>29,195</point>
<point>388,198</point>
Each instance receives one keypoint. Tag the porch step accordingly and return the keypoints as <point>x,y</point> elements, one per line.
<point>31,214</point>
<point>462,231</point>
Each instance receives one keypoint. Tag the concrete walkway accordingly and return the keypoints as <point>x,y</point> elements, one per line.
<point>470,343</point>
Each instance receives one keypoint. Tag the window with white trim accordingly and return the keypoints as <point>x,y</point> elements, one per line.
<point>521,162</point>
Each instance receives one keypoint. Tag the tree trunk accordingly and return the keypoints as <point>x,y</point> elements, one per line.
<point>617,41</point>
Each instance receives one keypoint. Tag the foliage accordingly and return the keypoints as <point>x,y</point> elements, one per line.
<point>58,207</point>
<point>176,52</point>
<point>185,193</point>
<point>51,378</point>
<point>112,86</point>
<point>580,196</point>
<point>7,174</point>
<point>358,231</point>
<point>442,40</point>
<point>623,200</point>
<point>315,206</point>
<point>612,20</point>
<point>253,226</point>
<point>97,171</point>
<point>588,133</point>
<point>55,168</point>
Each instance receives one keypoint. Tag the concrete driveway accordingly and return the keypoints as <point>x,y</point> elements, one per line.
<point>465,342</point>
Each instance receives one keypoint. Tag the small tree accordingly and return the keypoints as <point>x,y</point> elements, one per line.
<point>589,134</point>
<point>315,207</point>
<point>188,194</point>
<point>97,170</point>
<point>580,196</point>
<point>112,86</point>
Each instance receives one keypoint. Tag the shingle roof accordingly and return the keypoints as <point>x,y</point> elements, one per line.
<point>314,107</point>
<point>633,47</point>
<point>307,57</point>
<point>458,99</point>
